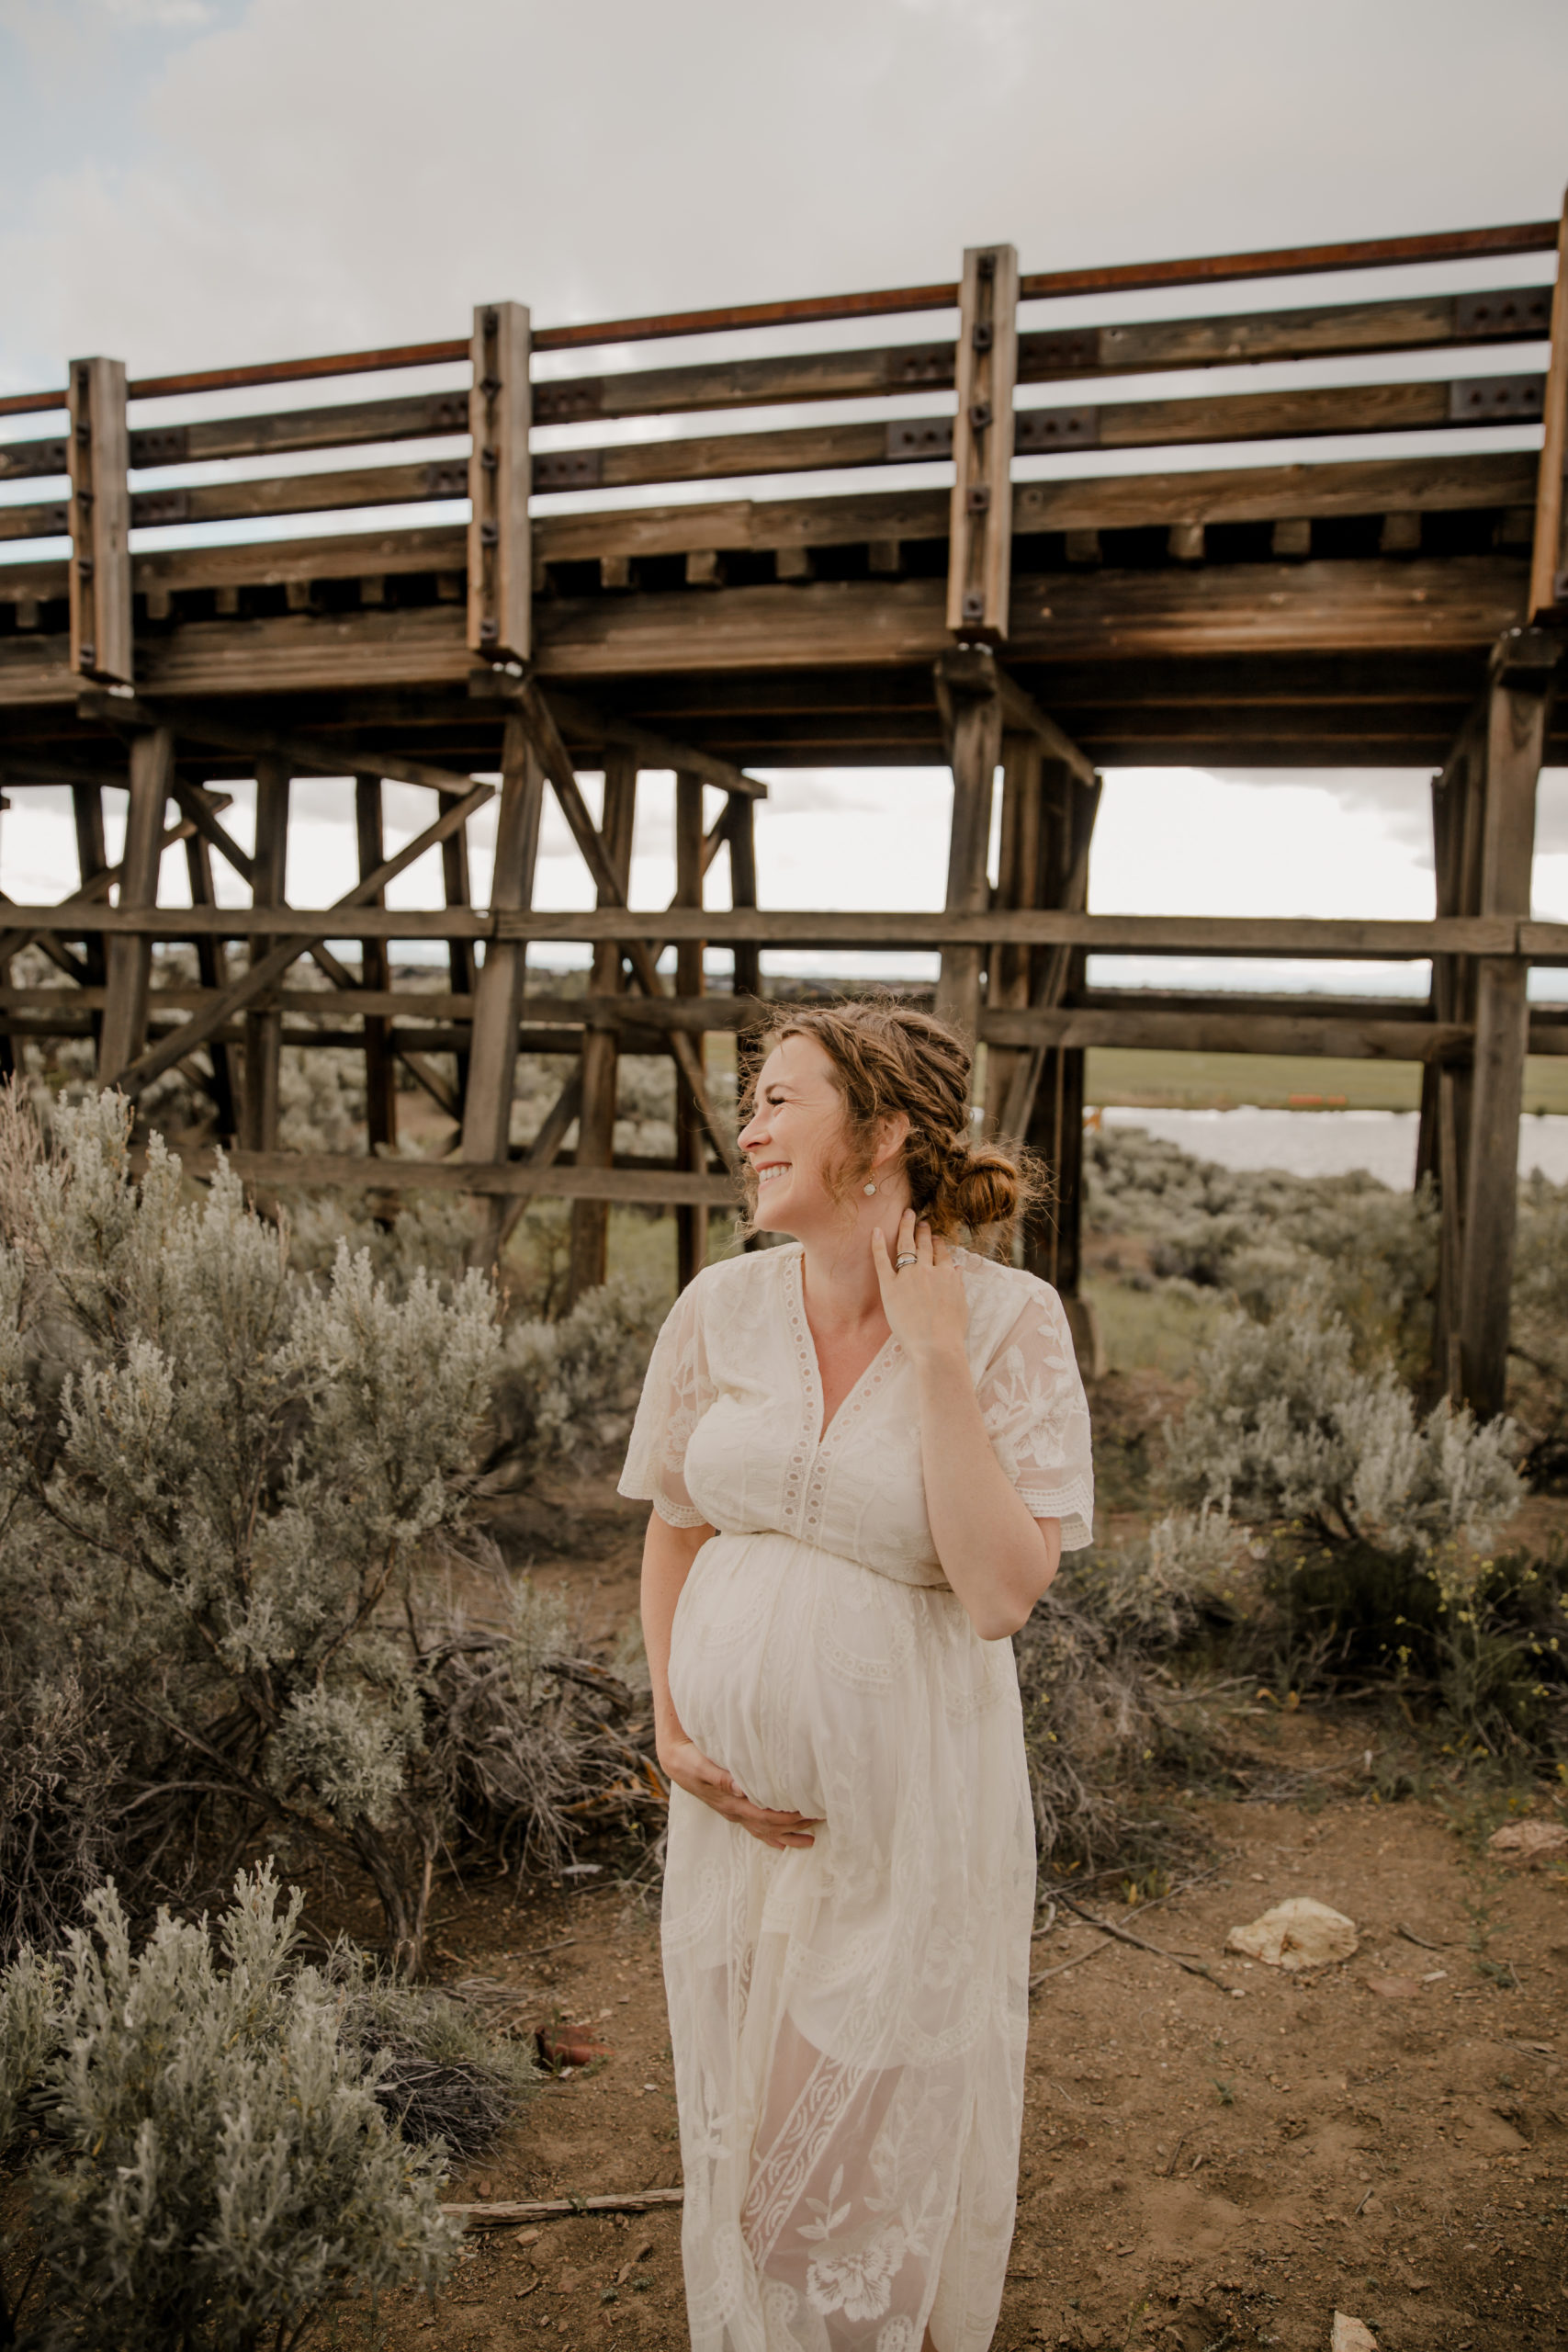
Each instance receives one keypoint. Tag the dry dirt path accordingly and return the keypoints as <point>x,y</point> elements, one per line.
<point>1206,2165</point>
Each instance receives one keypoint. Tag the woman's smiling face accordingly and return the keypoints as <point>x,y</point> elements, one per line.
<point>795,1137</point>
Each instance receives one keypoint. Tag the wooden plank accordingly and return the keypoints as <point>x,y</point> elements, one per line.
<point>92,859</point>
<point>268,968</point>
<point>638,1186</point>
<point>1549,557</point>
<point>746,978</point>
<point>975,737</point>
<point>101,636</point>
<point>381,1080</point>
<point>260,1104</point>
<point>1018,872</point>
<point>130,958</point>
<point>975,669</point>
<point>691,1220</point>
<point>1341,937</point>
<point>493,1056</point>
<point>1524,677</point>
<point>500,569</point>
<point>212,963</point>
<point>607,730</point>
<point>979,569</point>
<point>299,752</point>
<point>1222,1033</point>
<point>247,923</point>
<point>596,1121</point>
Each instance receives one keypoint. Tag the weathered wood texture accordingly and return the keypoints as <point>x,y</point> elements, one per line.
<point>501,578</point>
<point>1549,561</point>
<point>101,636</point>
<point>596,1119</point>
<point>980,527</point>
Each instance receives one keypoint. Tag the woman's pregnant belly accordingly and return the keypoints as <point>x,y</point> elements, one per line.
<point>796,1671</point>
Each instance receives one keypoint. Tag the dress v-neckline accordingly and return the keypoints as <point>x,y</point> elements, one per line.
<point>811,1365</point>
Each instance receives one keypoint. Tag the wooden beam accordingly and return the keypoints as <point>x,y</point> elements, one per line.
<point>212,963</point>
<point>691,1219</point>
<point>1524,678</point>
<point>1549,559</point>
<point>380,1081</point>
<point>1069,1027</point>
<point>101,636</point>
<point>304,754</point>
<point>980,529</point>
<point>319,925</point>
<point>129,962</point>
<point>492,1054</point>
<point>504,1179</point>
<point>501,570</point>
<point>650,749</point>
<point>534,713</point>
<point>976,743</point>
<point>596,1123</point>
<point>976,670</point>
<point>261,1106</point>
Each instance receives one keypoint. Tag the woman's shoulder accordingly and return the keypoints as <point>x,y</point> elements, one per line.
<point>1001,1294</point>
<point>732,1283</point>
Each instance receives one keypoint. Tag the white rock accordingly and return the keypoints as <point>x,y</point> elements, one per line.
<point>1301,1933</point>
<point>1351,2335</point>
<point>1530,1842</point>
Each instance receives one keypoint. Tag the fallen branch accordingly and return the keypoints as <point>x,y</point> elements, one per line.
<point>1139,1943</point>
<point>561,2208</point>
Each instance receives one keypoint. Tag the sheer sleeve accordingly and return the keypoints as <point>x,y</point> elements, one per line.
<point>1033,1405</point>
<point>676,1392</point>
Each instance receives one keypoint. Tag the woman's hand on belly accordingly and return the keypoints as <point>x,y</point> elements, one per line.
<point>701,1777</point>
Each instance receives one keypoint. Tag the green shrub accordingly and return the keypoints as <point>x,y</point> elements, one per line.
<point>566,1392</point>
<point>217,2170</point>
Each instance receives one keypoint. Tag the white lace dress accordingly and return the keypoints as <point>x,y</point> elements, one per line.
<point>848,2022</point>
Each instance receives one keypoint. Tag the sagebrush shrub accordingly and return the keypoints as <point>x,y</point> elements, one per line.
<point>567,1391</point>
<point>217,2169</point>
<point>1286,1426</point>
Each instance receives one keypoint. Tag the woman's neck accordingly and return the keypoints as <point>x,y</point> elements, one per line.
<point>842,1289</point>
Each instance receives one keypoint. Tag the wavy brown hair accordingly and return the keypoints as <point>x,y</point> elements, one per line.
<point>887,1057</point>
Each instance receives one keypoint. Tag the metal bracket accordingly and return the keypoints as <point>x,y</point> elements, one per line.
<point>1497,400</point>
<point>1054,428</point>
<point>1496,317</point>
<point>568,404</point>
<point>917,438</point>
<point>569,469</point>
<point>1065,351</point>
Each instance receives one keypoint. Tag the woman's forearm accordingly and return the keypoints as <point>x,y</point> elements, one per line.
<point>667,1556</point>
<point>996,1558</point>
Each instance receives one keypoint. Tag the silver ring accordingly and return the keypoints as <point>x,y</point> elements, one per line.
<point>909,1259</point>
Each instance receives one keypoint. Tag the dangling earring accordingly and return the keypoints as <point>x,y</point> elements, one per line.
<point>868,1190</point>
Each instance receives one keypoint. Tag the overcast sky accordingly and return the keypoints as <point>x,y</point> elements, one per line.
<point>192,182</point>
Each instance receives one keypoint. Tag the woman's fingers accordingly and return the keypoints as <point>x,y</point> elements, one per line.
<point>924,1248</point>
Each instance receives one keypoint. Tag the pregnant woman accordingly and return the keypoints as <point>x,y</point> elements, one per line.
<point>865,1453</point>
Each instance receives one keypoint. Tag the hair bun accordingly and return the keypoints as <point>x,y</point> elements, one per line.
<point>987,1185</point>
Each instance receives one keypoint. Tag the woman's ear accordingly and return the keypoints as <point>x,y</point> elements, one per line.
<point>892,1135</point>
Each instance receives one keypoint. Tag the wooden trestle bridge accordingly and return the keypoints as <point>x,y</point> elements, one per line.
<point>1399,608</point>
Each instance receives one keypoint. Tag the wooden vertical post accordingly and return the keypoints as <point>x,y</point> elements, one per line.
<point>1018,881</point>
<point>1054,1240</point>
<point>1549,559</point>
<point>1523,675</point>
<point>980,535</point>
<point>375,972</point>
<point>596,1118</point>
<point>461,964</point>
<point>501,571</point>
<point>691,1146</point>
<point>975,741</point>
<point>263,1027</point>
<point>1459,800</point>
<point>98,457</point>
<point>92,856</point>
<point>129,962</point>
<point>498,998</point>
<point>212,970</point>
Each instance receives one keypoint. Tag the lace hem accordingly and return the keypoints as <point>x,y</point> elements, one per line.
<point>1073,1505</point>
<point>672,1514</point>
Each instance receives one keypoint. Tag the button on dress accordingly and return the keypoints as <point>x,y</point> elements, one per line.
<point>847,2020</point>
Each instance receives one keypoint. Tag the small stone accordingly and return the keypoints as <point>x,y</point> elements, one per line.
<point>1396,1989</point>
<point>1351,2335</point>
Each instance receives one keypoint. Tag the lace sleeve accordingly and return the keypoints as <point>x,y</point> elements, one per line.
<point>1034,1407</point>
<point>676,1392</point>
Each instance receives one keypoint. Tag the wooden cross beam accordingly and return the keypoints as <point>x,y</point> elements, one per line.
<point>271,968</point>
<point>650,749</point>
<point>535,715</point>
<point>301,754</point>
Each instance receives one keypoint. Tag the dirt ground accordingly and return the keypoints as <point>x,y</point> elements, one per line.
<point>1210,2162</point>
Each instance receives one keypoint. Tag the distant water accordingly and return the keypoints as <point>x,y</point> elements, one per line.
<point>1329,1143</point>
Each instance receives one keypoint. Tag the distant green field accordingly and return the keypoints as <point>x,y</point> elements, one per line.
<point>1160,1082</point>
